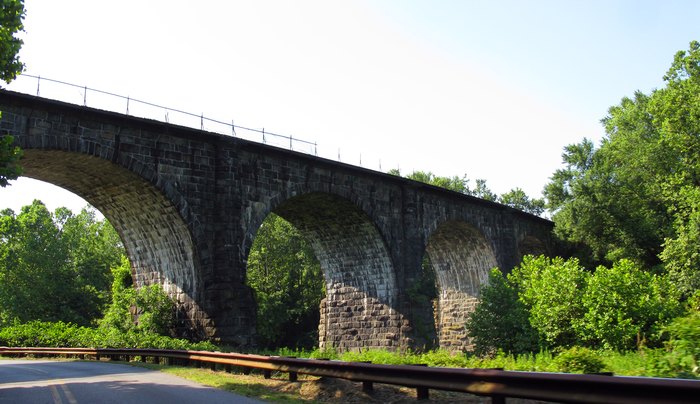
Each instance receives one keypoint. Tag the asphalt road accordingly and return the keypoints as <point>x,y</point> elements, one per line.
<point>39,381</point>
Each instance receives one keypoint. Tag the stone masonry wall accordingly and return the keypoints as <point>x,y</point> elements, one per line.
<point>187,205</point>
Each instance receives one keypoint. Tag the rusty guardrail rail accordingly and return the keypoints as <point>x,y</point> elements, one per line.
<point>497,384</point>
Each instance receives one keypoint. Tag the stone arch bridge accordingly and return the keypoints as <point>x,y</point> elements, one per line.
<point>187,205</point>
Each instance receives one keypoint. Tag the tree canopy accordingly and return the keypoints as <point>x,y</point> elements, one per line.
<point>515,198</point>
<point>637,195</point>
<point>11,18</point>
<point>55,266</point>
<point>288,284</point>
<point>11,22</point>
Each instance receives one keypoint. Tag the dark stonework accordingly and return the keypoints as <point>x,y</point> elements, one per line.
<point>187,205</point>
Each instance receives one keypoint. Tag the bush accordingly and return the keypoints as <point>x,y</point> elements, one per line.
<point>681,355</point>
<point>552,291</point>
<point>59,334</point>
<point>147,309</point>
<point>500,320</point>
<point>625,306</point>
<point>579,360</point>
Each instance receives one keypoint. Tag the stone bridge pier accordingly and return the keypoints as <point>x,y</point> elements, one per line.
<point>188,203</point>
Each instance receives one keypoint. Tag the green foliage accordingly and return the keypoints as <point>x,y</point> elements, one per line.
<point>146,310</point>
<point>637,196</point>
<point>500,321</point>
<point>625,305</point>
<point>457,184</point>
<point>60,334</point>
<point>118,315</point>
<point>516,198</point>
<point>288,284</point>
<point>579,360</point>
<point>55,266</point>
<point>552,291</point>
<point>621,308</point>
<point>10,24</point>
<point>681,254</point>
<point>422,293</point>
<point>681,354</point>
<point>11,18</point>
<point>155,310</point>
<point>9,160</point>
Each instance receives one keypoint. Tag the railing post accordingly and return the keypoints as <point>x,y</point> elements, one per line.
<point>498,400</point>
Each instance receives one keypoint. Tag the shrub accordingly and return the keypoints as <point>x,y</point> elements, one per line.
<point>552,291</point>
<point>500,320</point>
<point>59,334</point>
<point>579,360</point>
<point>147,309</point>
<point>681,355</point>
<point>625,305</point>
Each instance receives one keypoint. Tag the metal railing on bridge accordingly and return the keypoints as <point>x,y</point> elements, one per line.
<point>130,106</point>
<point>497,384</point>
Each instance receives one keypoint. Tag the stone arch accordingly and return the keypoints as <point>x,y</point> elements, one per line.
<point>157,240</point>
<point>461,257</point>
<point>359,308</point>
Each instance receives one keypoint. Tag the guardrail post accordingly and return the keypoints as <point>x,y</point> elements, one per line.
<point>293,376</point>
<point>422,393</point>
<point>267,374</point>
<point>498,400</point>
<point>367,387</point>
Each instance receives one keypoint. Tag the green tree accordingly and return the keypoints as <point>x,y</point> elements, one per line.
<point>288,284</point>
<point>9,160</point>
<point>636,195</point>
<point>457,184</point>
<point>518,199</point>
<point>55,266</point>
<point>515,198</point>
<point>10,24</point>
<point>118,314</point>
<point>625,307</point>
<point>552,291</point>
<point>500,320</point>
<point>147,309</point>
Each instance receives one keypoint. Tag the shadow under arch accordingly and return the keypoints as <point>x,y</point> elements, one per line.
<point>155,236</point>
<point>530,245</point>
<point>461,257</point>
<point>361,296</point>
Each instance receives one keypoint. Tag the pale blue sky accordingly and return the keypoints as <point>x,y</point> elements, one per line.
<point>493,89</point>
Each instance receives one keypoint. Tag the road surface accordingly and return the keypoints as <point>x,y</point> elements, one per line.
<point>66,382</point>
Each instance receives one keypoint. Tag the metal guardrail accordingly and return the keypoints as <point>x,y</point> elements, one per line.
<point>497,384</point>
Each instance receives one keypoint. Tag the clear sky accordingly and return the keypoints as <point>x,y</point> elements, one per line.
<point>492,89</point>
